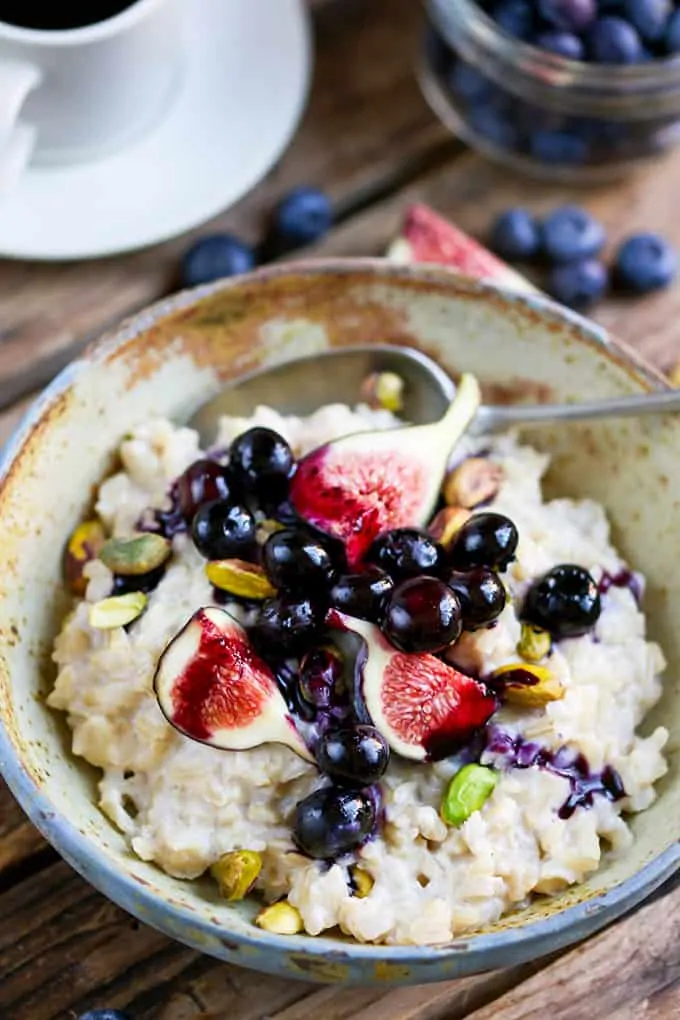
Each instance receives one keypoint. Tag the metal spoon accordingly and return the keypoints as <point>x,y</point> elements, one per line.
<point>303,385</point>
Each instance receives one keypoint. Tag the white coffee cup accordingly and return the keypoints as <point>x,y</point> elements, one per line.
<point>72,95</point>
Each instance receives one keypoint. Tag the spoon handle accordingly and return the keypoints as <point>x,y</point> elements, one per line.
<point>493,418</point>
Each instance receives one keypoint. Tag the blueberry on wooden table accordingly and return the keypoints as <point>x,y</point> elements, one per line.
<point>104,1014</point>
<point>214,257</point>
<point>571,234</point>
<point>304,215</point>
<point>515,235</point>
<point>645,262</point>
<point>579,284</point>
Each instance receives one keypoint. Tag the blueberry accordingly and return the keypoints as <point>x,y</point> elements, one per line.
<point>515,235</point>
<point>564,44</point>
<point>303,216</point>
<point>262,462</point>
<point>645,262</point>
<point>333,821</point>
<point>559,147</point>
<point>353,755</point>
<point>516,17</point>
<point>216,256</point>
<point>405,552</point>
<point>104,1014</point>
<point>579,284</point>
<point>565,602</point>
<point>672,33</point>
<point>570,15</point>
<point>494,125</point>
<point>571,234</point>
<point>423,615</point>
<point>287,624</point>
<point>363,595</point>
<point>481,594</point>
<point>222,530</point>
<point>649,17</point>
<point>203,481</point>
<point>612,40</point>
<point>466,81</point>
<point>485,540</point>
<point>295,561</point>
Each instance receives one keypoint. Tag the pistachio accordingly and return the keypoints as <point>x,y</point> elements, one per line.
<point>117,611</point>
<point>534,643</point>
<point>362,881</point>
<point>268,527</point>
<point>131,557</point>
<point>473,482</point>
<point>528,685</point>
<point>383,389</point>
<point>240,578</point>
<point>83,546</point>
<point>467,792</point>
<point>236,873</point>
<point>280,918</point>
<point>445,524</point>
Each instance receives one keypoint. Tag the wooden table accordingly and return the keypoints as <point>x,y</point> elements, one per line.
<point>370,141</point>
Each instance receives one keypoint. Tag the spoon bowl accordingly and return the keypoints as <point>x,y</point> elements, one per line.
<point>301,385</point>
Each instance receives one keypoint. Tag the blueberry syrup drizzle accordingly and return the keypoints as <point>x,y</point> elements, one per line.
<point>516,752</point>
<point>625,578</point>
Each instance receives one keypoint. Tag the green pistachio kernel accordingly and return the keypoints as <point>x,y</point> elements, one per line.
<point>131,557</point>
<point>363,882</point>
<point>280,918</point>
<point>117,611</point>
<point>236,873</point>
<point>467,793</point>
<point>534,643</point>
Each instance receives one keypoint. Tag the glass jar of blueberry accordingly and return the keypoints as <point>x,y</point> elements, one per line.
<point>569,89</point>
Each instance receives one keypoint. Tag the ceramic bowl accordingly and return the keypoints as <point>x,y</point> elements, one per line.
<point>169,359</point>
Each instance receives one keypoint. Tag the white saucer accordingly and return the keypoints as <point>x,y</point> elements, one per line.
<point>236,109</point>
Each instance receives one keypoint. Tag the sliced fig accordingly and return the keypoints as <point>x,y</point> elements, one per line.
<point>428,237</point>
<point>424,708</point>
<point>361,485</point>
<point>212,686</point>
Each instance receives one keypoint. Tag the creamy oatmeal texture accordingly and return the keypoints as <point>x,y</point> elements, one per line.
<point>183,805</point>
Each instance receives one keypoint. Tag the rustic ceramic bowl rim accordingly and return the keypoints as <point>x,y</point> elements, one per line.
<point>95,865</point>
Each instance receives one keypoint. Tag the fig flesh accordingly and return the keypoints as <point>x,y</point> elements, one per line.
<point>358,486</point>
<point>213,687</point>
<point>428,237</point>
<point>424,708</point>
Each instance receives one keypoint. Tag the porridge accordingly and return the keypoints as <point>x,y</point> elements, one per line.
<point>405,746</point>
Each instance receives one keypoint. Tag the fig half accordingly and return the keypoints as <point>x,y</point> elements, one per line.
<point>424,708</point>
<point>358,486</point>
<point>213,687</point>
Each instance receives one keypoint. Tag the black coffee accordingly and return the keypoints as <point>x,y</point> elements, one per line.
<point>55,16</point>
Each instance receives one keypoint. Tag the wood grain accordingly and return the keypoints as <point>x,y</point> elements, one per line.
<point>625,966</point>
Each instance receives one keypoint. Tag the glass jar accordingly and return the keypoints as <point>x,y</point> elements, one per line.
<point>539,112</point>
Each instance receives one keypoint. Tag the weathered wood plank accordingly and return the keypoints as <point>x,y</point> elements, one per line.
<point>362,131</point>
<point>625,965</point>
<point>63,947</point>
<point>471,190</point>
